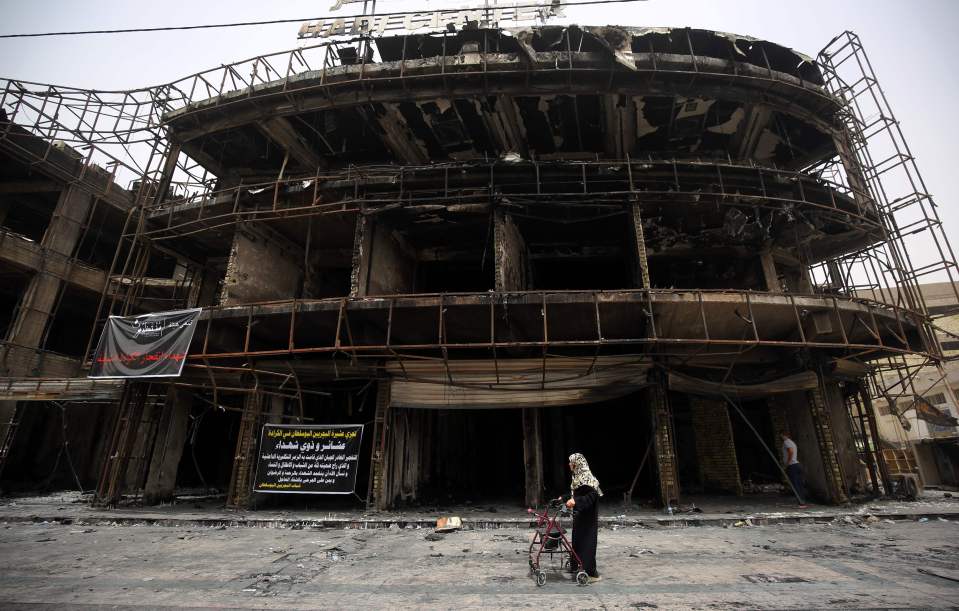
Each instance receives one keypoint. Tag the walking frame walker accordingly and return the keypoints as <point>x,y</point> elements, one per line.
<point>550,545</point>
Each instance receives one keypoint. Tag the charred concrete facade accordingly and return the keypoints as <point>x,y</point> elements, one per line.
<point>494,247</point>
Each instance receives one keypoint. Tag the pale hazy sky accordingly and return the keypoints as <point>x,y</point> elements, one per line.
<point>913,46</point>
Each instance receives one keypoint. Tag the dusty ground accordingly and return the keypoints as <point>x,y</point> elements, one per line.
<point>197,510</point>
<point>837,565</point>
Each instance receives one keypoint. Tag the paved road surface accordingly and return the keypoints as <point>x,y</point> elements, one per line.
<point>787,566</point>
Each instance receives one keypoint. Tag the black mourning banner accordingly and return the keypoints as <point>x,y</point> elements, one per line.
<point>146,346</point>
<point>308,459</point>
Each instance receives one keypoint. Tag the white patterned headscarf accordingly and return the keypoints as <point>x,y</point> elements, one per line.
<point>582,476</point>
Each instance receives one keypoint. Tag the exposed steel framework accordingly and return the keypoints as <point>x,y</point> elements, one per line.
<point>915,248</point>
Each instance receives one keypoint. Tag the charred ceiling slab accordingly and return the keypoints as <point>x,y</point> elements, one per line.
<point>540,92</point>
<point>535,126</point>
<point>282,132</point>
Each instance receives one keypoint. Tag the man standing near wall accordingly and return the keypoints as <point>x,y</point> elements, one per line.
<point>793,469</point>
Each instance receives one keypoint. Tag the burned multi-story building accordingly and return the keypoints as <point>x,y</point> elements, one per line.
<point>493,247</point>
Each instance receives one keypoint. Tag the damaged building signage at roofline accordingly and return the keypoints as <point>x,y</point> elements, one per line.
<point>429,20</point>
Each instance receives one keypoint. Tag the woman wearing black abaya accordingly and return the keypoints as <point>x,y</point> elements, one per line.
<point>586,493</point>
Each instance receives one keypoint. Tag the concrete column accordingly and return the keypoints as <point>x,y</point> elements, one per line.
<point>715,445</point>
<point>818,408</point>
<point>836,280</point>
<point>244,460</point>
<point>37,304</point>
<point>169,167</point>
<point>127,425</point>
<point>533,455</point>
<point>870,414</point>
<point>510,254</point>
<point>40,296</point>
<point>663,447</point>
<point>144,431</point>
<point>379,466</point>
<point>168,446</point>
<point>277,410</point>
<point>852,474</point>
<point>805,281</point>
<point>771,278</point>
<point>383,263</point>
<point>639,241</point>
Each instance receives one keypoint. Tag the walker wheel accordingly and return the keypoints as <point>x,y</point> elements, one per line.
<point>582,578</point>
<point>540,578</point>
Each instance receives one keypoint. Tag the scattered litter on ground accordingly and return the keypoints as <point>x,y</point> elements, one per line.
<point>764,578</point>
<point>445,525</point>
<point>434,537</point>
<point>641,552</point>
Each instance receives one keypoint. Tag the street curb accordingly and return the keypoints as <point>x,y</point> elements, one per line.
<point>468,524</point>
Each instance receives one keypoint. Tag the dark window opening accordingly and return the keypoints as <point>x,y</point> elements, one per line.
<point>12,286</point>
<point>99,243</point>
<point>755,463</point>
<point>706,273</point>
<point>453,276</point>
<point>329,282</point>
<point>614,453</point>
<point>73,320</point>
<point>459,472</point>
<point>161,266</point>
<point>567,250</point>
<point>207,459</point>
<point>582,274</point>
<point>35,461</point>
<point>28,216</point>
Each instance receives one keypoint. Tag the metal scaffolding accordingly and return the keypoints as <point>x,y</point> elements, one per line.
<point>123,148</point>
<point>880,166</point>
